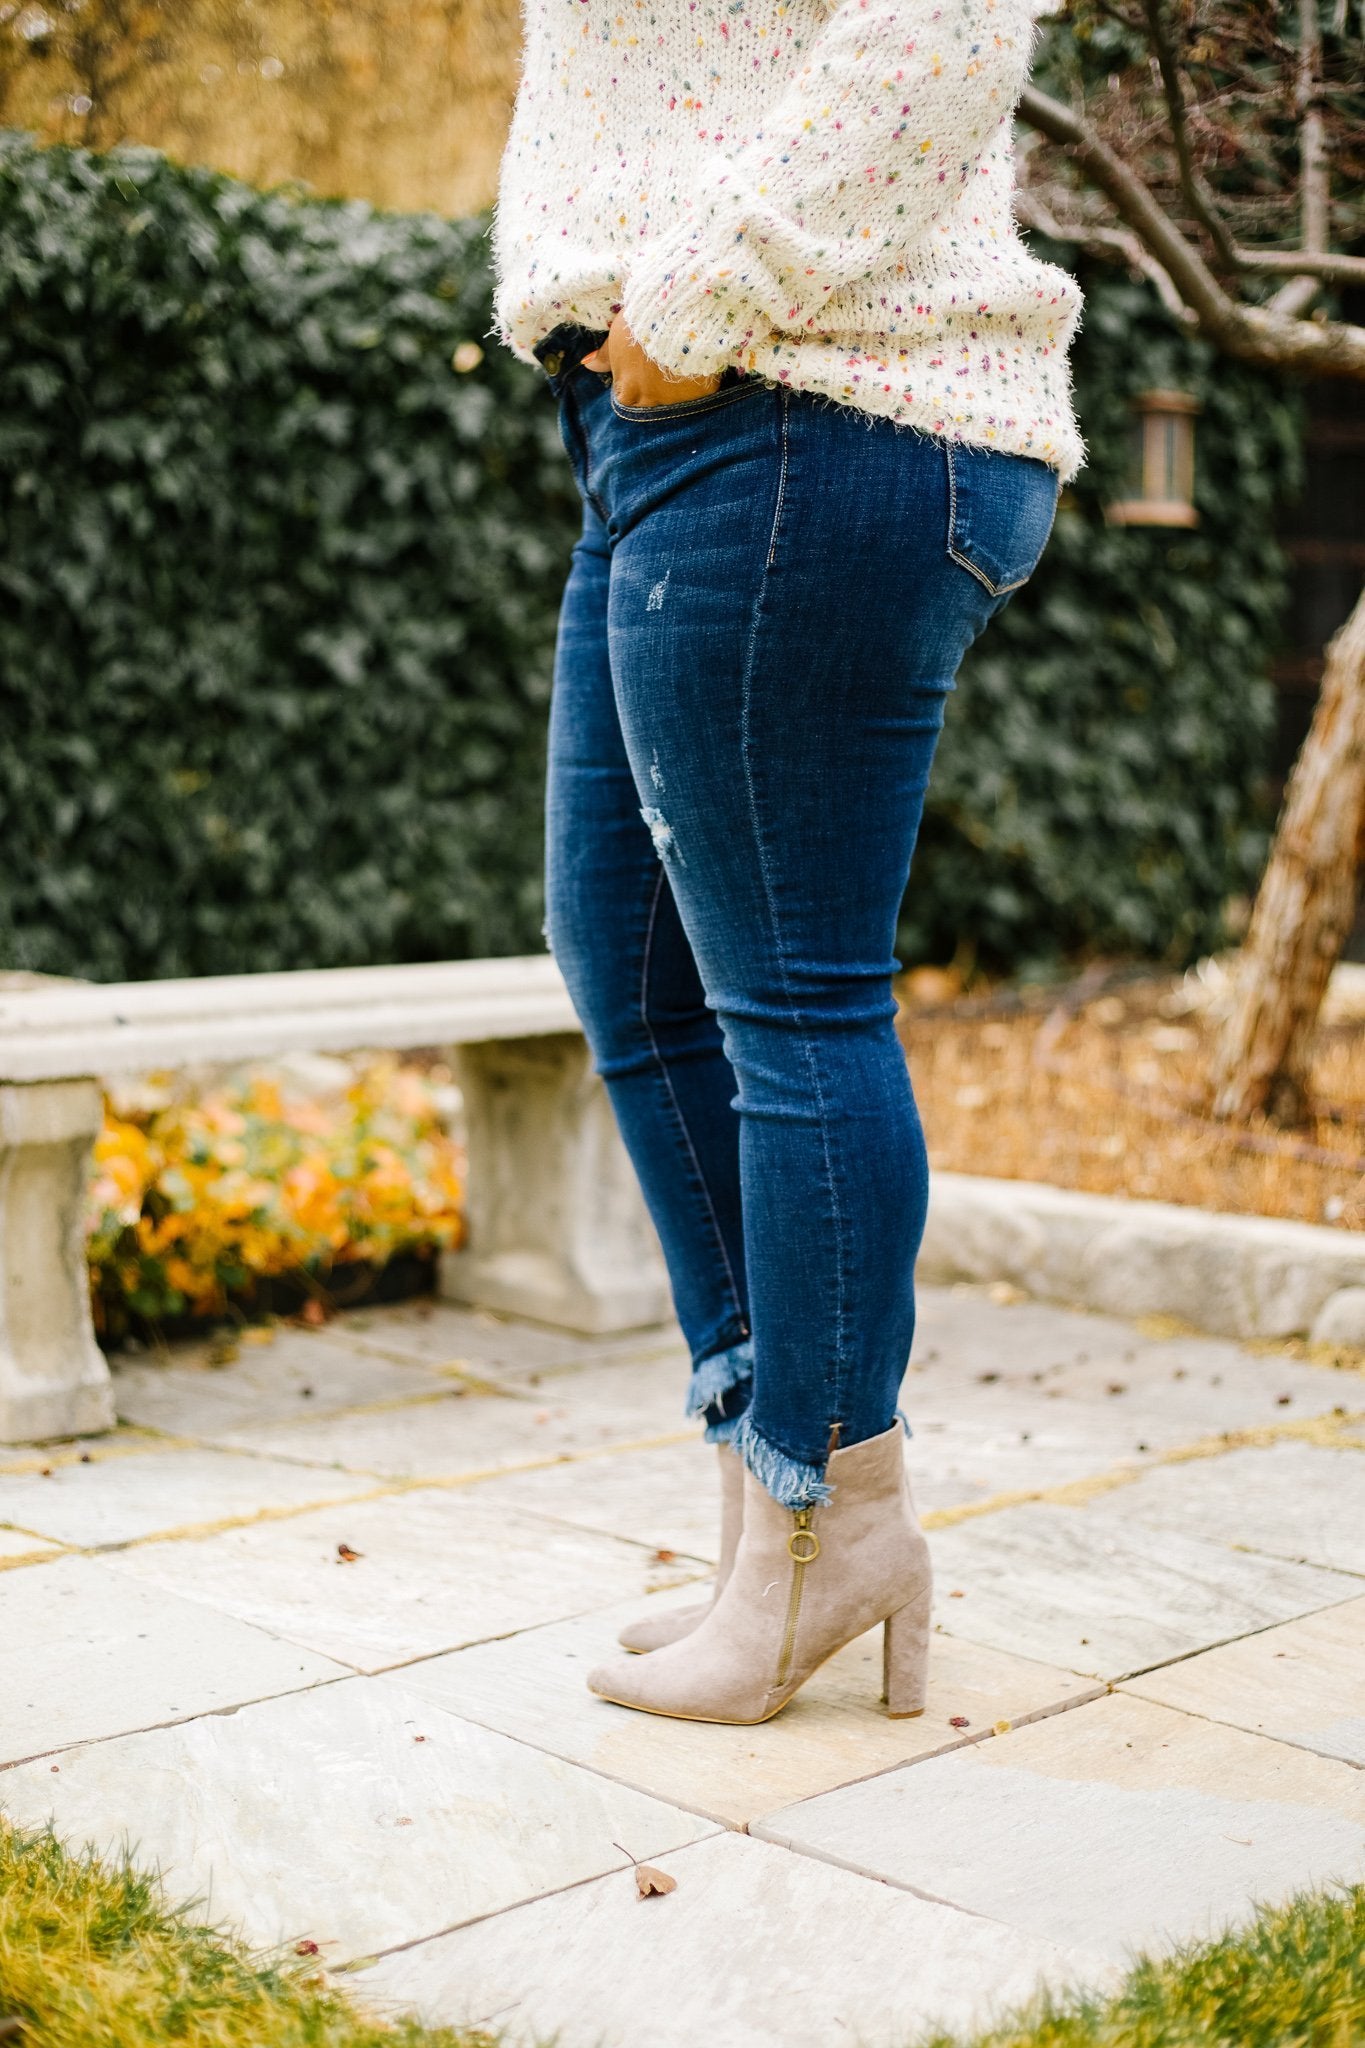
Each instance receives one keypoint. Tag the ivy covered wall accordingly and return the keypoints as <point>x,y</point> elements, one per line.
<point>282,537</point>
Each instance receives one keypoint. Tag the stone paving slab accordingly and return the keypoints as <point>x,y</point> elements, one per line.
<point>298,1373</point>
<point>1302,1683</point>
<point>755,1947</point>
<point>442,1334</point>
<point>509,1490</point>
<point>325,1816</point>
<point>87,1653</point>
<point>458,1434</point>
<point>1289,1500</point>
<point>1197,1386</point>
<point>1120,1825</point>
<point>434,1570</point>
<point>532,1686</point>
<point>1108,1598</point>
<point>159,1491</point>
<point>15,1544</point>
<point>668,1498</point>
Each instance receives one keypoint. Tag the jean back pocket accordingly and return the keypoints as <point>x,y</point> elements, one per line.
<point>1000,513</point>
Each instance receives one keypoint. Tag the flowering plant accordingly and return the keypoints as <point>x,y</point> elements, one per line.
<point>193,1204</point>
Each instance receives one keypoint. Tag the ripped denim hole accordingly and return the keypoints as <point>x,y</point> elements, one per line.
<point>791,1483</point>
<point>661,832</point>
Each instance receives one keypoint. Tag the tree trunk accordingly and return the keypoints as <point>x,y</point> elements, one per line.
<point>1306,902</point>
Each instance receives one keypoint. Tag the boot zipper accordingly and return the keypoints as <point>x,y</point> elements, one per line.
<point>803,1547</point>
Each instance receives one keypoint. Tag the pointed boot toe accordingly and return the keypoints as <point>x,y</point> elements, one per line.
<point>657,1631</point>
<point>616,1680</point>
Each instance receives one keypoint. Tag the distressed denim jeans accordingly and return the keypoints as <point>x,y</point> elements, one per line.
<point>763,619</point>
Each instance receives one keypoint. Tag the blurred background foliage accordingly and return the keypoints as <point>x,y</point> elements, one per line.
<point>282,537</point>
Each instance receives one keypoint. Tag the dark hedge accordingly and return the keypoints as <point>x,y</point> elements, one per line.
<point>277,582</point>
<point>278,586</point>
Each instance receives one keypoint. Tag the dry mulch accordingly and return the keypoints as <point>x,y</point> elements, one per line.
<point>1101,1085</point>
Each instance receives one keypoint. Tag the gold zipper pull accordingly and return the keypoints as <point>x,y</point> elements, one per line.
<point>803,1529</point>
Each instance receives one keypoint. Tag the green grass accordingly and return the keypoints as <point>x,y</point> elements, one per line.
<point>1293,1979</point>
<point>91,1957</point>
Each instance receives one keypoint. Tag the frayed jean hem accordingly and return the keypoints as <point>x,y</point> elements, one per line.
<point>721,1389</point>
<point>791,1484</point>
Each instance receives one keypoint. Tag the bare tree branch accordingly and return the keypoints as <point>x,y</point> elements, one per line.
<point>1312,138</point>
<point>1032,212</point>
<point>1197,194</point>
<point>1324,264</point>
<point>1256,334</point>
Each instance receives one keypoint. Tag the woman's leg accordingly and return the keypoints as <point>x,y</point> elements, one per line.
<point>614,929</point>
<point>787,616</point>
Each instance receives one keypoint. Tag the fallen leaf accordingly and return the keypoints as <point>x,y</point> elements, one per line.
<point>1116,1387</point>
<point>306,1948</point>
<point>403,1821</point>
<point>347,1555</point>
<point>664,1556</point>
<point>957,1594</point>
<point>1281,1401</point>
<point>1002,1728</point>
<point>958,1721</point>
<point>648,1880</point>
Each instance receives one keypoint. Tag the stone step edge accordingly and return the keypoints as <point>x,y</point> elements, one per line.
<point>1227,1275</point>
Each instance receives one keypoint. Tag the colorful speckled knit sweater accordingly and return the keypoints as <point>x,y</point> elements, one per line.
<point>817,190</point>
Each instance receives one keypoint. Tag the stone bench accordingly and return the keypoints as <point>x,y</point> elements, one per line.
<point>557,1229</point>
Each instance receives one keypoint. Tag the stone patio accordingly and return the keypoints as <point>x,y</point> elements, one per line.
<point>310,1631</point>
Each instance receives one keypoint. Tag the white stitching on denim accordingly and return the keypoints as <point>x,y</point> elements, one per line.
<point>746,687</point>
<point>667,1078</point>
<point>781,478</point>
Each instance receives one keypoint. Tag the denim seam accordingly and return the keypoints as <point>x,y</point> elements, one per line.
<point>781,480</point>
<point>581,434</point>
<point>667,1079</point>
<point>746,750</point>
<point>685,408</point>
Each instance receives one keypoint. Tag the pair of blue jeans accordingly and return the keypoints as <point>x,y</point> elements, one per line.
<point>763,619</point>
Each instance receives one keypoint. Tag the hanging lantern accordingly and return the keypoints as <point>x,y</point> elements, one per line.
<point>1161,464</point>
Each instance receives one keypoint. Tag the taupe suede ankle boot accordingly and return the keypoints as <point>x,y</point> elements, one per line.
<point>656,1631</point>
<point>804,1583</point>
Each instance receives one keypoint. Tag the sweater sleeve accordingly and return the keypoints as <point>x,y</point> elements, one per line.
<point>877,135</point>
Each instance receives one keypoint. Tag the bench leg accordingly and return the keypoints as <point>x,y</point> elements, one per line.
<point>558,1229</point>
<point>53,1378</point>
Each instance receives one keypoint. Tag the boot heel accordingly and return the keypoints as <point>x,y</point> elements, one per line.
<point>905,1656</point>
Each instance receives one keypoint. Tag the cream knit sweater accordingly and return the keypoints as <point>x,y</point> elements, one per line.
<point>818,190</point>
